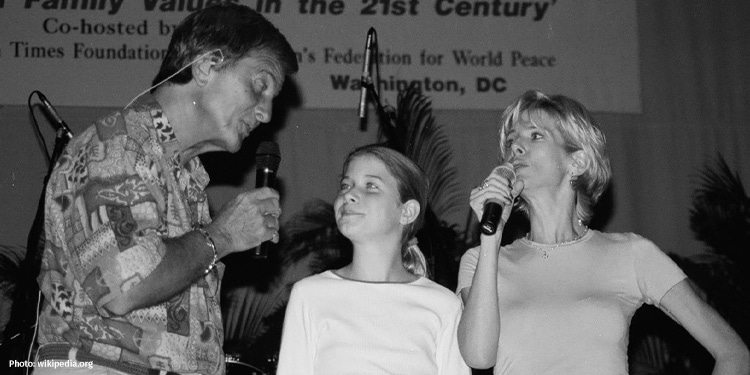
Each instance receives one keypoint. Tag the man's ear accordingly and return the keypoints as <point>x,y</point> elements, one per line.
<point>202,69</point>
<point>580,164</point>
<point>409,212</point>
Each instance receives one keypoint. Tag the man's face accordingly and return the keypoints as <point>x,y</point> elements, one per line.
<point>240,97</point>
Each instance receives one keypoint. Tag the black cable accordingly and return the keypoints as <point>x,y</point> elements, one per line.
<point>376,85</point>
<point>40,137</point>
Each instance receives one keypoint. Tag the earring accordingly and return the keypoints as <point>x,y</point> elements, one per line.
<point>572,181</point>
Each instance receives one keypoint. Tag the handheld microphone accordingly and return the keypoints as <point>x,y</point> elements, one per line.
<point>61,125</point>
<point>267,160</point>
<point>493,210</point>
<point>366,73</point>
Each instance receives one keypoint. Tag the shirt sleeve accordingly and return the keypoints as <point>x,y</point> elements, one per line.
<point>449,357</point>
<point>466,269</point>
<point>103,219</point>
<point>297,353</point>
<point>656,273</point>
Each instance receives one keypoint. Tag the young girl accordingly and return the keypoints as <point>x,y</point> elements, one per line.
<point>379,314</point>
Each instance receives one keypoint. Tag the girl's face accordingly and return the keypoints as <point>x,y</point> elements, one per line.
<point>368,204</point>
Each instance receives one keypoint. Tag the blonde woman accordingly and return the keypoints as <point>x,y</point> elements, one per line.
<point>560,299</point>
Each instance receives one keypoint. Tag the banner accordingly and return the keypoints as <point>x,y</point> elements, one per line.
<point>463,54</point>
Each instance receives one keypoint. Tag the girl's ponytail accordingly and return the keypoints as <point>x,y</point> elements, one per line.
<point>414,259</point>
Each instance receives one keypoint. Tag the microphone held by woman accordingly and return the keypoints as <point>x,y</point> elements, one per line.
<point>493,210</point>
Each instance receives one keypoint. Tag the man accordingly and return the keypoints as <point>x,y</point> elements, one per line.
<point>130,274</point>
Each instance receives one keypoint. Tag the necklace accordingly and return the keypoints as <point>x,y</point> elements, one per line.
<point>546,249</point>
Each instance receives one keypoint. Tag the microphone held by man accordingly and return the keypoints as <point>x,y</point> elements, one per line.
<point>267,159</point>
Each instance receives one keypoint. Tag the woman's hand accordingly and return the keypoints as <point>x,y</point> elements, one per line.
<point>495,188</point>
<point>479,329</point>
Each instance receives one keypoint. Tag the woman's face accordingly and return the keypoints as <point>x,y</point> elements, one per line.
<point>535,147</point>
<point>368,204</point>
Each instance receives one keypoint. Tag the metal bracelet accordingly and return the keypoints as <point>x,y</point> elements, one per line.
<point>212,245</point>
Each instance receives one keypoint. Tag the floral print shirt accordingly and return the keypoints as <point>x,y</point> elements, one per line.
<point>116,193</point>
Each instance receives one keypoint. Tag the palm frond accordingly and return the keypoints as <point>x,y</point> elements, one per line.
<point>248,307</point>
<point>411,129</point>
<point>10,267</point>
<point>314,230</point>
<point>416,134</point>
<point>720,217</point>
<point>720,213</point>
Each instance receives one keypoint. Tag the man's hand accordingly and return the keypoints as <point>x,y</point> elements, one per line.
<point>246,221</point>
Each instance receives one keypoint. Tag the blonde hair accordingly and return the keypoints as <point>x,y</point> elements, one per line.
<point>580,132</point>
<point>414,260</point>
<point>412,184</point>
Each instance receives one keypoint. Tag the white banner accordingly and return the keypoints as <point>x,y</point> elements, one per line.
<point>464,54</point>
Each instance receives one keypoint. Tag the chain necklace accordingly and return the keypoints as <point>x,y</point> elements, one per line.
<point>547,248</point>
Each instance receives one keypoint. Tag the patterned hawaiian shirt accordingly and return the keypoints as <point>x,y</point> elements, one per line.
<point>118,190</point>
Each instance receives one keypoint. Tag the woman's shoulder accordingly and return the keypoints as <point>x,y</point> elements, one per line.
<point>622,238</point>
<point>628,244</point>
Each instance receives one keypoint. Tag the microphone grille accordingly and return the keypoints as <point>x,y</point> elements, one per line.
<point>506,170</point>
<point>268,155</point>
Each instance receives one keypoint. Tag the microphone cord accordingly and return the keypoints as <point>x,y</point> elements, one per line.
<point>42,140</point>
<point>40,137</point>
<point>376,52</point>
<point>26,283</point>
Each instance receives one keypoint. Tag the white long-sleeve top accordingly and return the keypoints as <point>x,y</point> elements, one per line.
<point>338,326</point>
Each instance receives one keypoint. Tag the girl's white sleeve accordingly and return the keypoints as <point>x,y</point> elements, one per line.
<point>297,353</point>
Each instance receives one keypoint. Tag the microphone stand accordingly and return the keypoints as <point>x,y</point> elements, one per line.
<point>371,90</point>
<point>383,114</point>
<point>62,138</point>
<point>25,303</point>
